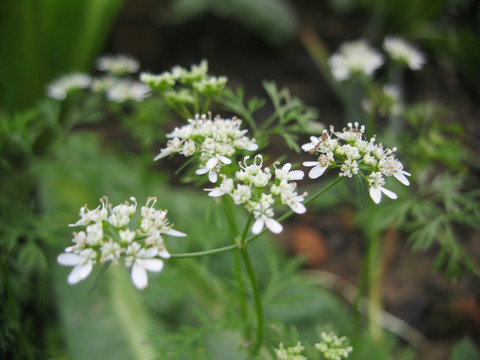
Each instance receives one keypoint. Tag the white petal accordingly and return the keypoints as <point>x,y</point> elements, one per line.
<point>211,163</point>
<point>149,253</point>
<point>389,193</point>
<point>308,147</point>
<point>139,276</point>
<point>212,176</point>
<point>375,194</point>
<point>399,175</point>
<point>274,225</point>
<point>164,254</point>
<point>287,167</point>
<point>201,171</point>
<point>164,153</point>
<point>79,273</point>
<point>225,160</point>
<point>257,226</point>
<point>155,265</point>
<point>177,233</point>
<point>317,171</point>
<point>299,208</point>
<point>251,146</point>
<point>69,259</point>
<point>310,163</point>
<point>296,175</point>
<point>214,192</point>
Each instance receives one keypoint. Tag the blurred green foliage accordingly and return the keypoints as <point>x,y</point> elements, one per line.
<point>273,20</point>
<point>41,39</point>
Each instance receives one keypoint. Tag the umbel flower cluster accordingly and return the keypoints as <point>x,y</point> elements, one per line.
<point>248,188</point>
<point>197,78</point>
<point>331,347</point>
<point>114,82</point>
<point>108,234</point>
<point>358,58</point>
<point>213,141</point>
<point>349,151</point>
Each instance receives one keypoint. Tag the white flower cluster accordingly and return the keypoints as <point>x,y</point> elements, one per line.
<point>290,353</point>
<point>248,187</point>
<point>118,65</point>
<point>107,235</point>
<point>355,156</point>
<point>197,77</point>
<point>115,85</point>
<point>122,90</point>
<point>214,141</point>
<point>401,51</point>
<point>355,58</point>
<point>59,88</point>
<point>331,347</point>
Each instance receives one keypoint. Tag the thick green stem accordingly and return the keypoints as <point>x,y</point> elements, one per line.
<point>241,290</point>
<point>372,278</point>
<point>256,298</point>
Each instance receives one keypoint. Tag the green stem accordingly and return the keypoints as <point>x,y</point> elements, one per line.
<point>374,279</point>
<point>241,289</point>
<point>256,298</point>
<point>196,102</point>
<point>206,105</point>
<point>227,205</point>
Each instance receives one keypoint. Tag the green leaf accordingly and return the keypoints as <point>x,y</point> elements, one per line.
<point>465,349</point>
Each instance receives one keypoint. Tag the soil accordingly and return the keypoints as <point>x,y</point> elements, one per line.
<point>441,310</point>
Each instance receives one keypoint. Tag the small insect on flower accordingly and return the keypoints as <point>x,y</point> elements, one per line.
<point>355,156</point>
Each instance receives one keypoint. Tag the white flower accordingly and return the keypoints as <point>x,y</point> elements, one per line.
<point>111,251</point>
<point>349,168</point>
<point>241,194</point>
<point>142,260</point>
<point>82,262</point>
<point>320,166</point>
<point>226,187</point>
<point>215,141</point>
<point>127,235</point>
<point>284,174</point>
<point>289,197</point>
<point>376,182</point>
<point>102,84</point>
<point>354,58</point>
<point>60,88</point>
<point>312,145</point>
<point>210,167</point>
<point>138,245</point>
<point>159,82</point>
<point>264,215</point>
<point>120,214</point>
<point>400,176</point>
<point>354,156</point>
<point>124,90</point>
<point>118,65</point>
<point>94,234</point>
<point>401,51</point>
